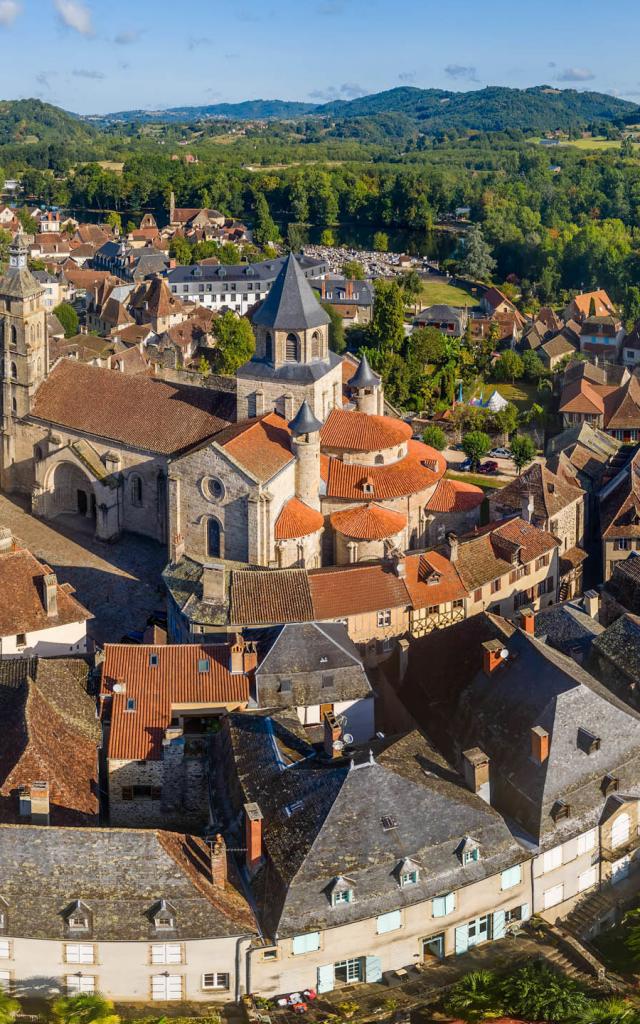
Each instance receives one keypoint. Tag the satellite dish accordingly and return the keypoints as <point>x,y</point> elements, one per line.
<point>118,688</point>
<point>504,654</point>
<point>338,745</point>
<point>348,738</point>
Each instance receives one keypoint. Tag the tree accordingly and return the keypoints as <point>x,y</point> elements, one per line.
<point>353,269</point>
<point>532,366</point>
<point>523,451</point>
<point>475,445</point>
<point>27,222</point>
<point>535,992</point>
<point>180,250</point>
<point>328,238</point>
<point>265,229</point>
<point>411,284</point>
<point>235,341</point>
<point>475,997</point>
<point>114,220</point>
<point>337,342</point>
<point>85,1008</point>
<point>509,366</point>
<point>381,241</point>
<point>8,1007</point>
<point>5,242</point>
<point>297,236</point>
<point>386,330</point>
<point>505,420</point>
<point>435,437</point>
<point>204,367</point>
<point>68,317</point>
<point>478,263</point>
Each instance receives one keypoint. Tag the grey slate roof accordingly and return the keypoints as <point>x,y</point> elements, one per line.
<point>304,422</point>
<point>568,628</point>
<point>320,662</point>
<point>300,373</point>
<point>364,377</point>
<point>120,875</point>
<point>291,304</point>
<point>624,584</point>
<point>324,819</point>
<point>265,271</point>
<point>618,648</point>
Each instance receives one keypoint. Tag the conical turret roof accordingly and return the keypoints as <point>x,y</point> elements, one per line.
<point>18,282</point>
<point>304,422</point>
<point>364,377</point>
<point>291,304</point>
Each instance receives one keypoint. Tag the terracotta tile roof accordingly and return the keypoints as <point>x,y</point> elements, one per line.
<point>432,579</point>
<point>297,520</point>
<point>581,396</point>
<point>355,590</point>
<point>22,607</point>
<point>603,303</point>
<point>262,446</point>
<point>551,493</point>
<point>488,555</point>
<point>359,432</point>
<point>623,406</point>
<point>455,496</point>
<point>194,674</point>
<point>421,469</point>
<point>368,522</point>
<point>270,596</point>
<point>133,409</point>
<point>572,558</point>
<point>129,360</point>
<point>494,297</point>
<point>48,736</point>
<point>620,510</point>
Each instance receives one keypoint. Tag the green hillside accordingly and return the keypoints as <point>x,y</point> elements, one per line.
<point>32,121</point>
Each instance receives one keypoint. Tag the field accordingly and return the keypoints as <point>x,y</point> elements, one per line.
<point>487,483</point>
<point>597,143</point>
<point>522,395</point>
<point>440,293</point>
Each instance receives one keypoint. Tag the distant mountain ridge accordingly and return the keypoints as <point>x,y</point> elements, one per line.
<point>495,108</point>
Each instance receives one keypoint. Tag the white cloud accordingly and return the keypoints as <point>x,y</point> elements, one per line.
<point>9,11</point>
<point>575,75</point>
<point>76,15</point>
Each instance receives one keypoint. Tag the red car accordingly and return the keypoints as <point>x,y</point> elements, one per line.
<point>488,467</point>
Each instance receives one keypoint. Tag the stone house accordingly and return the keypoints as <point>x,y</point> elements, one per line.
<point>449,320</point>
<point>620,516</point>
<point>438,595</point>
<point>454,507</point>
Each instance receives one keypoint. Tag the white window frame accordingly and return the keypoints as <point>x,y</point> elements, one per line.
<point>5,949</point>
<point>587,879</point>
<point>220,981</point>
<point>77,984</point>
<point>384,618</point>
<point>587,841</point>
<point>166,953</point>
<point>547,901</point>
<point>552,859</point>
<point>79,953</point>
<point>342,896</point>
<point>409,878</point>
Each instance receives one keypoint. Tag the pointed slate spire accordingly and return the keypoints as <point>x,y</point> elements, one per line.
<point>304,422</point>
<point>291,304</point>
<point>364,377</point>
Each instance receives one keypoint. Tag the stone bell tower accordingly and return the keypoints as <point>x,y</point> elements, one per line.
<point>305,442</point>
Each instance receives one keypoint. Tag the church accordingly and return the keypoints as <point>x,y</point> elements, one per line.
<point>298,466</point>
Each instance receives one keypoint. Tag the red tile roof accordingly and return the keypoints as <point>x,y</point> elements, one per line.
<point>192,674</point>
<point>368,522</point>
<point>270,596</point>
<point>297,520</point>
<point>133,409</point>
<point>455,496</point>
<point>22,607</point>
<point>420,469</point>
<point>355,590</point>
<point>432,579</point>
<point>359,432</point>
<point>262,446</point>
<point>488,555</point>
<point>581,396</point>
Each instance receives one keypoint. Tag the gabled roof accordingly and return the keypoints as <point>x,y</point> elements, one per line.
<point>291,304</point>
<point>356,589</point>
<point>551,493</point>
<point>625,406</point>
<point>490,554</point>
<point>262,446</point>
<point>431,579</point>
<point>602,302</point>
<point>22,608</point>
<point>620,508</point>
<point>270,596</point>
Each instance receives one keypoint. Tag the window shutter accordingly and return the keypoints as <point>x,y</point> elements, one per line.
<point>498,924</point>
<point>389,922</point>
<point>511,877</point>
<point>450,903</point>
<point>325,978</point>
<point>438,908</point>
<point>525,912</point>
<point>373,969</point>
<point>462,939</point>
<point>306,943</point>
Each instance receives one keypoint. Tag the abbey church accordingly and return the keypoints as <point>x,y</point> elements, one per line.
<point>298,467</point>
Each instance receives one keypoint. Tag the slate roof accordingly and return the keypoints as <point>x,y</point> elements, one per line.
<point>325,820</point>
<point>624,583</point>
<point>620,505</point>
<point>568,628</point>
<point>22,608</point>
<point>265,271</point>
<point>148,414</point>
<point>364,377</point>
<point>291,304</point>
<point>318,661</point>
<point>588,449</point>
<point>551,493</point>
<point>120,875</point>
<point>490,554</point>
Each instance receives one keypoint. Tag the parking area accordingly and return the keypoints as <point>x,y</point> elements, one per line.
<point>455,458</point>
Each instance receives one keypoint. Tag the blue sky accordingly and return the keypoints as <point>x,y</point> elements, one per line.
<point>94,56</point>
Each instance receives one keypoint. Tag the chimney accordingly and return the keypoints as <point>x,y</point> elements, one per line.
<point>528,621</point>
<point>452,539</point>
<point>6,539</point>
<point>39,799</point>
<point>253,836</point>
<point>332,733</point>
<point>399,564</point>
<point>50,593</point>
<point>527,507</point>
<point>403,657</point>
<point>250,658</point>
<point>237,655</point>
<point>493,654</point>
<point>213,584</point>
<point>475,765</point>
<point>219,862</point>
<point>539,744</point>
<point>591,603</point>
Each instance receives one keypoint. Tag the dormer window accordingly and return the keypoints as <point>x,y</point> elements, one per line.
<point>78,917</point>
<point>468,852</point>
<point>587,741</point>
<point>342,896</point>
<point>560,810</point>
<point>341,891</point>
<point>408,873</point>
<point>164,918</point>
<point>609,785</point>
<point>409,878</point>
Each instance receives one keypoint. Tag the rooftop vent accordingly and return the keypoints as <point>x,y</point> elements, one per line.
<point>587,741</point>
<point>609,785</point>
<point>388,823</point>
<point>131,704</point>
<point>153,660</point>
<point>286,686</point>
<point>560,810</point>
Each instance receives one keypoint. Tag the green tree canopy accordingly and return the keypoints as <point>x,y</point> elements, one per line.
<point>478,263</point>
<point>68,317</point>
<point>84,1009</point>
<point>235,342</point>
<point>353,269</point>
<point>476,444</point>
<point>265,229</point>
<point>337,342</point>
<point>509,367</point>
<point>381,241</point>
<point>532,366</point>
<point>523,451</point>
<point>435,437</point>
<point>328,237</point>
<point>386,330</point>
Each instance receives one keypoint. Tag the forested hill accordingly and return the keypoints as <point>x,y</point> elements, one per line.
<point>32,121</point>
<point>495,108</point>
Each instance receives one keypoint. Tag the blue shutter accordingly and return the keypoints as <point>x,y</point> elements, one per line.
<point>525,912</point>
<point>373,969</point>
<point>450,903</point>
<point>511,877</point>
<point>498,924</point>
<point>462,939</point>
<point>389,922</point>
<point>438,907</point>
<point>326,978</point>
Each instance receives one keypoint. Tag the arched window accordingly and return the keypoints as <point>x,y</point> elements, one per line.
<point>620,831</point>
<point>379,460</point>
<point>136,489</point>
<point>316,345</point>
<point>213,538</point>
<point>14,371</point>
<point>268,346</point>
<point>291,348</point>
<point>14,405</point>
<point>13,335</point>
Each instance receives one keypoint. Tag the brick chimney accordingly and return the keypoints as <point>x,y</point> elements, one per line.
<point>527,507</point>
<point>6,539</point>
<point>528,621</point>
<point>452,540</point>
<point>219,862</point>
<point>237,655</point>
<point>213,583</point>
<point>539,744</point>
<point>253,836</point>
<point>34,802</point>
<point>591,602</point>
<point>50,594</point>
<point>332,733</point>
<point>250,657</point>
<point>492,656</point>
<point>475,764</point>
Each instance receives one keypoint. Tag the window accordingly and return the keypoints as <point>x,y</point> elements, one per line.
<point>215,980</point>
<point>291,348</point>
<point>165,987</point>
<point>78,922</point>
<point>551,897</point>
<point>588,879</point>
<point>215,489</point>
<point>136,490</point>
<point>495,586</point>
<point>477,594</point>
<point>587,841</point>
<point>153,660</point>
<point>552,859</point>
<point>327,681</point>
<point>511,877</point>
<point>21,640</point>
<point>166,953</point>
<point>620,831</point>
<point>342,896</point>
<point>443,905</point>
<point>4,949</point>
<point>163,919</point>
<point>479,930</point>
<point>389,922</point>
<point>213,538</point>
<point>305,943</point>
<point>458,604</point>
<point>408,878</point>
<point>268,346</point>
<point>315,345</point>
<point>433,609</point>
<point>384,618</point>
<point>131,704</point>
<point>349,971</point>
<point>470,856</point>
<point>79,983</point>
<point>79,954</point>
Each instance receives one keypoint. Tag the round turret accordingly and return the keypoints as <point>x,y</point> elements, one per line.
<point>305,443</point>
<point>366,387</point>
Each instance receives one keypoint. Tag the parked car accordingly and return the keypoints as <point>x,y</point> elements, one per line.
<point>488,467</point>
<point>500,453</point>
<point>462,467</point>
